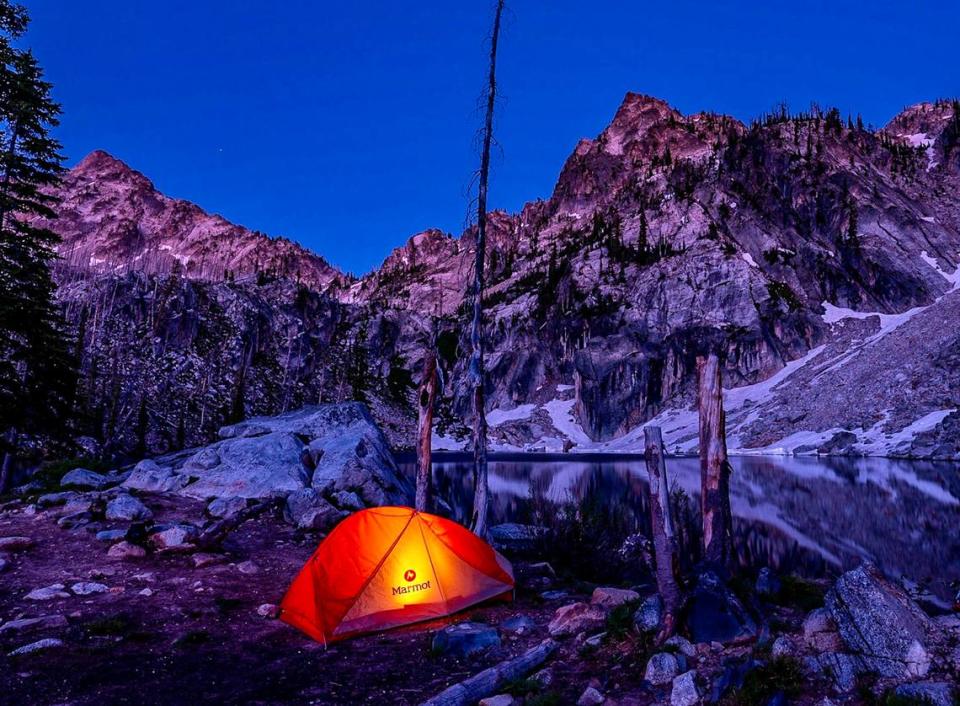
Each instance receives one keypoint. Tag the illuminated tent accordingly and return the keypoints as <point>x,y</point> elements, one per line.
<point>390,566</point>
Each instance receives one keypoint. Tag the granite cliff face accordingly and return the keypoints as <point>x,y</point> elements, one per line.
<point>821,255</point>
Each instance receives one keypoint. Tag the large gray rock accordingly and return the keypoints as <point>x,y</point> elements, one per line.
<point>250,467</point>
<point>224,508</point>
<point>662,668</point>
<point>934,693</point>
<point>465,639</point>
<point>879,622</point>
<point>649,615</point>
<point>83,478</point>
<point>576,618</point>
<point>346,449</point>
<point>127,508</point>
<point>820,631</point>
<point>48,593</point>
<point>149,476</point>
<point>609,597</point>
<point>716,614</point>
<point>684,691</point>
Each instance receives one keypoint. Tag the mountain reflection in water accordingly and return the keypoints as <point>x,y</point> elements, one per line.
<point>812,515</point>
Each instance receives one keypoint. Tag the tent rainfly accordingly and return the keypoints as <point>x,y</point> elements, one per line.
<point>389,566</point>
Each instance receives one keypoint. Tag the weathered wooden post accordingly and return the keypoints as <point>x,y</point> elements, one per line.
<point>425,401</point>
<point>664,542</point>
<point>714,466</point>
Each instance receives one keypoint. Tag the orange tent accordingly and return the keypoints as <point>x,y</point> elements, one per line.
<point>390,566</point>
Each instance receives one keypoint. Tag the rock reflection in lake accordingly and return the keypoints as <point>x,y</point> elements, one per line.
<point>812,515</point>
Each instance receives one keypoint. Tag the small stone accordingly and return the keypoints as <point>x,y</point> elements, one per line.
<point>595,640</point>
<point>4,564</point>
<point>576,617</point>
<point>203,559</point>
<point>48,593</point>
<point>15,544</point>
<point>649,615</point>
<point>44,622</point>
<point>768,584</point>
<point>127,508</point>
<point>612,597</point>
<point>147,592</point>
<point>683,645</point>
<point>111,535</point>
<point>146,577</point>
<point>268,610</point>
<point>347,500</point>
<point>553,595</point>
<point>820,632</point>
<point>465,639</point>
<point>248,567</point>
<point>498,700</point>
<point>684,691</point>
<point>126,550</point>
<point>662,668</point>
<point>38,646</point>
<point>544,677</point>
<point>88,588</point>
<point>176,538</point>
<point>518,624</point>
<point>225,508</point>
<point>590,697</point>
<point>102,572</point>
<point>783,647</point>
<point>82,478</point>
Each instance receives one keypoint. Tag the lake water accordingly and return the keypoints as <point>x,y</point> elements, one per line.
<point>815,516</point>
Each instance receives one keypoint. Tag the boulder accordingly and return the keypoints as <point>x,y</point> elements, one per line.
<point>48,593</point>
<point>662,668</point>
<point>307,509</point>
<point>576,618</point>
<point>223,508</point>
<point>25,625</point>
<point>684,691</point>
<point>613,597</point>
<point>820,632</point>
<point>126,550</point>
<point>768,584</point>
<point>590,697</point>
<point>88,588</point>
<point>934,693</point>
<point>346,449</point>
<point>83,478</point>
<point>514,537</point>
<point>465,639</point>
<point>258,467</point>
<point>149,476</point>
<point>15,544</point>
<point>56,499</point>
<point>38,646</point>
<point>127,508</point>
<point>649,616</point>
<point>878,621</point>
<point>716,614</point>
<point>346,500</point>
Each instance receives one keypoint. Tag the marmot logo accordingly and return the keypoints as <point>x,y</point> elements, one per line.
<point>409,575</point>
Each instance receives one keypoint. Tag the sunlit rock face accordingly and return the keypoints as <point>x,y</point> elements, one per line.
<point>804,247</point>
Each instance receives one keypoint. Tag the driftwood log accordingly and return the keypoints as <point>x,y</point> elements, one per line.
<point>485,683</point>
<point>714,466</point>
<point>425,403</point>
<point>664,539</point>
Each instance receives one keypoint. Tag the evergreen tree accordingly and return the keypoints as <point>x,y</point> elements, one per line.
<point>36,371</point>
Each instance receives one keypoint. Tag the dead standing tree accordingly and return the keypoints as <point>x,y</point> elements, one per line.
<point>714,466</point>
<point>426,396</point>
<point>664,540</point>
<point>481,495</point>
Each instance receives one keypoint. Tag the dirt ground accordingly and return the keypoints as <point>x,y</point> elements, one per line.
<point>198,638</point>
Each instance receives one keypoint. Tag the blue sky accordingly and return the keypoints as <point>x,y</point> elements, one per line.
<point>350,126</point>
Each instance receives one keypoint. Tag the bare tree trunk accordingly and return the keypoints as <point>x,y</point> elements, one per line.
<point>664,541</point>
<point>714,467</point>
<point>6,468</point>
<point>425,402</point>
<point>481,495</point>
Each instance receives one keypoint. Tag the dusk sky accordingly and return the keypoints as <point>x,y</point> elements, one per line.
<point>350,126</point>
